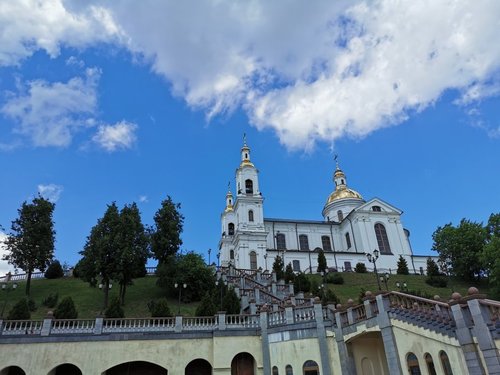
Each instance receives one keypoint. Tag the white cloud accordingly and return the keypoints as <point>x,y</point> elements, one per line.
<point>52,192</point>
<point>51,113</point>
<point>4,266</point>
<point>119,136</point>
<point>143,199</point>
<point>309,70</point>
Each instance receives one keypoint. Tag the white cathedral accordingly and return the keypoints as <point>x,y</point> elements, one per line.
<point>351,228</point>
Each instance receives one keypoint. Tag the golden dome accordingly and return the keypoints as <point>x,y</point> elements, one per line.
<point>228,208</point>
<point>246,163</point>
<point>343,192</point>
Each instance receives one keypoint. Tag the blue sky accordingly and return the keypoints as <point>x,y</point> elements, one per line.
<point>108,101</point>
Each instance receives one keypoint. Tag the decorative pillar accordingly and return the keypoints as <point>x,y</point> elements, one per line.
<point>266,355</point>
<point>384,323</point>
<point>323,345</point>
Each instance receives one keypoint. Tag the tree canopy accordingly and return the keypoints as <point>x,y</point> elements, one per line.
<point>30,245</point>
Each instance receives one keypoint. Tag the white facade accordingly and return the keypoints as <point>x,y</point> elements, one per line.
<point>351,228</point>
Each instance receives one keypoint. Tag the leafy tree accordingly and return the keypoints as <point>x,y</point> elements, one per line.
<point>101,253</point>
<point>329,296</point>
<point>66,309</point>
<point>231,302</point>
<point>302,283</point>
<point>490,256</point>
<point>166,232</point>
<point>207,306</point>
<point>460,247</point>
<point>289,274</point>
<point>134,248</point>
<point>51,300</point>
<point>115,309</point>
<point>20,311</point>
<point>30,245</point>
<point>278,266</point>
<point>159,309</point>
<point>402,266</point>
<point>360,268</point>
<point>321,261</point>
<point>335,278</point>
<point>432,268</point>
<point>54,271</point>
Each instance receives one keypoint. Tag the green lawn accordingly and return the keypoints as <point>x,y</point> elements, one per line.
<point>88,300</point>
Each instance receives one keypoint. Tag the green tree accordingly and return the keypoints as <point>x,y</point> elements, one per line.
<point>66,309</point>
<point>302,283</point>
<point>134,248</point>
<point>207,306</point>
<point>360,268</point>
<point>101,254</point>
<point>329,296</point>
<point>490,256</point>
<point>231,302</point>
<point>402,266</point>
<point>30,245</point>
<point>166,232</point>
<point>159,309</point>
<point>321,261</point>
<point>432,268</point>
<point>54,271</point>
<point>289,274</point>
<point>460,247</point>
<point>114,309</point>
<point>20,311</point>
<point>278,266</point>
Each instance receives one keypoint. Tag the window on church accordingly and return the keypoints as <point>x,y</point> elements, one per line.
<point>296,265</point>
<point>430,364</point>
<point>347,267</point>
<point>376,208</point>
<point>280,241</point>
<point>250,215</point>
<point>310,368</point>
<point>382,240</point>
<point>327,245</point>
<point>230,229</point>
<point>275,370</point>
<point>340,215</point>
<point>303,242</point>
<point>288,370</point>
<point>253,260</point>
<point>348,240</point>
<point>249,186</point>
<point>231,254</point>
<point>412,362</point>
<point>445,362</point>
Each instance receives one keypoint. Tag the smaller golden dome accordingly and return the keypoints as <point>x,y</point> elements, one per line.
<point>246,163</point>
<point>343,192</point>
<point>338,173</point>
<point>229,208</point>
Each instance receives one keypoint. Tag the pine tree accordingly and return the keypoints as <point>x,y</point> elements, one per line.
<point>278,267</point>
<point>432,268</point>
<point>402,266</point>
<point>66,309</point>
<point>20,311</point>
<point>207,306</point>
<point>289,274</point>
<point>321,261</point>
<point>231,302</point>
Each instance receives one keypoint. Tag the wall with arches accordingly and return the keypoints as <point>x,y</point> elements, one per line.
<point>294,353</point>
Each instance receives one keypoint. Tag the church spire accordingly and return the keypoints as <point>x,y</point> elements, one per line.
<point>229,199</point>
<point>339,176</point>
<point>245,153</point>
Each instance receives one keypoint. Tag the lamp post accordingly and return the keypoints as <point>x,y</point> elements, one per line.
<point>321,290</point>
<point>209,251</point>
<point>372,258</point>
<point>385,279</point>
<point>265,258</point>
<point>6,288</point>
<point>402,286</point>
<point>180,286</point>
<point>109,287</point>
<point>222,283</point>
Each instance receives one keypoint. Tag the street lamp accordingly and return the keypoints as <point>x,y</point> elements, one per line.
<point>222,284</point>
<point>8,289</point>
<point>109,286</point>
<point>176,285</point>
<point>385,279</point>
<point>402,286</point>
<point>372,258</point>
<point>209,251</point>
<point>321,290</point>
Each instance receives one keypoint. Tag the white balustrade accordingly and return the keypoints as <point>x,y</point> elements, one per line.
<point>22,327</point>
<point>68,326</point>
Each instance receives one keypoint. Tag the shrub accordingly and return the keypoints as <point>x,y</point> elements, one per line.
<point>360,268</point>
<point>51,300</point>
<point>114,309</point>
<point>432,268</point>
<point>289,274</point>
<point>402,266</point>
<point>20,311</point>
<point>302,283</point>
<point>66,309</point>
<point>159,309</point>
<point>54,271</point>
<point>329,296</point>
<point>437,281</point>
<point>207,306</point>
<point>231,302</point>
<point>335,278</point>
<point>32,304</point>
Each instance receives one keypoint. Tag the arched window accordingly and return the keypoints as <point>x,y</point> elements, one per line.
<point>198,367</point>
<point>348,240</point>
<point>376,208</point>
<point>66,369</point>
<point>288,370</point>
<point>231,254</point>
<point>325,241</point>
<point>296,265</point>
<point>303,242</point>
<point>249,186</point>
<point>280,241</point>
<point>340,215</point>
<point>253,260</point>
<point>243,363</point>
<point>12,370</point>
<point>275,370</point>
<point>382,240</point>
<point>445,363</point>
<point>230,229</point>
<point>430,364</point>
<point>310,368</point>
<point>250,215</point>
<point>412,362</point>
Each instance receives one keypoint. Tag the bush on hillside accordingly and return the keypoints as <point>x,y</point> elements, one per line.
<point>335,278</point>
<point>432,268</point>
<point>159,308</point>
<point>302,283</point>
<point>66,309</point>
<point>402,266</point>
<point>231,302</point>
<point>32,304</point>
<point>51,300</point>
<point>114,309</point>
<point>360,268</point>
<point>437,281</point>
<point>54,271</point>
<point>329,296</point>
<point>20,311</point>
<point>207,306</point>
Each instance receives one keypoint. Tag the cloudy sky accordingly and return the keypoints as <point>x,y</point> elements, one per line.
<point>125,101</point>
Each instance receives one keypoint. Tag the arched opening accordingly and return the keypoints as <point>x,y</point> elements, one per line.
<point>250,216</point>
<point>231,254</point>
<point>412,362</point>
<point>198,367</point>
<point>310,368</point>
<point>367,366</point>
<point>275,370</point>
<point>430,364</point>
<point>348,240</point>
<point>280,241</point>
<point>340,215</point>
<point>66,369</point>
<point>136,368</point>
<point>326,243</point>
<point>303,242</point>
<point>230,229</point>
<point>12,370</point>
<point>288,370</point>
<point>243,364</point>
<point>253,260</point>
<point>382,239</point>
<point>249,186</point>
<point>445,362</point>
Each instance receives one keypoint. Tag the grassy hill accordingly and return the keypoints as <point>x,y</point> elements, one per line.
<point>88,300</point>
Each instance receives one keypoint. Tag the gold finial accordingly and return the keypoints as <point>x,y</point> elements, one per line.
<point>229,186</point>
<point>336,161</point>
<point>244,139</point>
